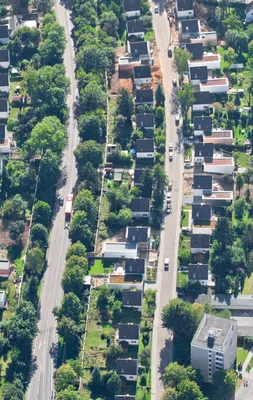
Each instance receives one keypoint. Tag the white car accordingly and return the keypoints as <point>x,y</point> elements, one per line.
<point>168,209</point>
<point>170,155</point>
<point>170,147</point>
<point>188,165</point>
<point>170,186</point>
<point>166,264</point>
<point>168,195</point>
<point>156,10</point>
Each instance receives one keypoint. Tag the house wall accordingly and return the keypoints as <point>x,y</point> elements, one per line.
<point>200,107</point>
<point>201,230</point>
<point>148,103</point>
<point>4,40</point>
<point>184,14</point>
<point>4,114</point>
<point>131,14</point>
<point>198,133</point>
<point>202,282</point>
<point>5,89</point>
<point>249,16</point>
<point>130,341</point>
<point>147,128</point>
<point>142,81</point>
<point>145,155</point>
<point>137,286</point>
<point>140,215</point>
<point>219,169</point>
<point>199,159</point>
<point>2,302</point>
<point>5,149</point>
<point>199,360</point>
<point>5,64</point>
<point>230,351</point>
<point>214,89</point>
<point>199,250</point>
<point>195,81</point>
<point>138,35</point>
<point>208,64</point>
<point>131,378</point>
<point>137,308</point>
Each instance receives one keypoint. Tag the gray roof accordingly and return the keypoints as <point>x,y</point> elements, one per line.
<point>135,26</point>
<point>203,182</point>
<point>138,49</point>
<point>196,49</point>
<point>4,79</point>
<point>199,73</point>
<point>204,150</point>
<point>132,5</point>
<point>132,298</point>
<point>144,96</point>
<point>140,204</point>
<point>201,212</point>
<point>129,331</point>
<point>226,301</point>
<point>4,55</point>
<point>2,136</point>
<point>200,241</point>
<point>4,265</point>
<point>213,332</point>
<point>3,105</point>
<point>144,145</point>
<point>138,175</point>
<point>190,25</point>
<point>198,271</point>
<point>119,246</point>
<point>184,5</point>
<point>127,366</point>
<point>145,120</point>
<point>4,31</point>
<point>137,234</point>
<point>135,265</point>
<point>124,397</point>
<point>202,98</point>
<point>142,71</point>
<point>203,124</point>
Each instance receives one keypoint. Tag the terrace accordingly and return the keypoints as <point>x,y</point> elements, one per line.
<point>219,137</point>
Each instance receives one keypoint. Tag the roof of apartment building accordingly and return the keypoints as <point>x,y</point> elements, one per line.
<point>138,49</point>
<point>190,26</point>
<point>144,145</point>
<point>198,272</point>
<point>202,98</point>
<point>3,104</point>
<point>196,49</point>
<point>201,211</point>
<point>142,71</point>
<point>204,150</point>
<point>135,265</point>
<point>184,5</point>
<point>144,96</point>
<point>132,298</point>
<point>203,182</point>
<point>135,26</point>
<point>138,173</point>
<point>4,79</point>
<point>126,366</point>
<point>203,124</point>
<point>145,120</point>
<point>199,241</point>
<point>140,204</point>
<point>213,332</point>
<point>129,331</point>
<point>4,55</point>
<point>4,31</point>
<point>199,73</point>
<point>132,5</point>
<point>137,234</point>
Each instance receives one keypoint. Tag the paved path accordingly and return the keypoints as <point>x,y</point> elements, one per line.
<point>166,281</point>
<point>45,344</point>
<point>246,392</point>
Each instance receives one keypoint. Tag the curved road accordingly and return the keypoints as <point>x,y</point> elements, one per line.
<point>45,345</point>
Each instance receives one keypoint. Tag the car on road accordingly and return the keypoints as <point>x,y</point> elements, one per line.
<point>170,21</point>
<point>168,197</point>
<point>61,200</point>
<point>177,119</point>
<point>170,155</point>
<point>169,53</point>
<point>156,10</point>
<point>174,83</point>
<point>170,186</point>
<point>166,264</point>
<point>170,146</point>
<point>188,165</point>
<point>168,208</point>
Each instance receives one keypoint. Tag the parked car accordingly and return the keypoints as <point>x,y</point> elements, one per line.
<point>188,165</point>
<point>177,119</point>
<point>166,264</point>
<point>168,209</point>
<point>174,83</point>
<point>168,195</point>
<point>170,155</point>
<point>170,185</point>
<point>156,10</point>
<point>170,146</point>
<point>61,200</point>
<point>169,53</point>
<point>170,21</point>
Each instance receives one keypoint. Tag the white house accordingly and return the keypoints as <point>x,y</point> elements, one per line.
<point>221,198</point>
<point>203,152</point>
<point>135,29</point>
<point>202,184</point>
<point>4,34</point>
<point>202,125</point>
<point>220,165</point>
<point>132,299</point>
<point>142,75</point>
<point>145,148</point>
<point>4,82</point>
<point>217,85</point>
<point>249,13</point>
<point>119,250</point>
<point>127,368</point>
<point>209,60</point>
<point>128,333</point>
<point>132,8</point>
<point>2,298</point>
<point>4,58</point>
<point>200,244</point>
<point>206,38</point>
<point>4,108</point>
<point>189,28</point>
<point>140,207</point>
<point>219,136</point>
<point>203,101</point>
<point>184,9</point>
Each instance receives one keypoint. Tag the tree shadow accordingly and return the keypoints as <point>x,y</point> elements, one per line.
<point>174,102</point>
<point>54,353</point>
<point>164,359</point>
<point>33,368</point>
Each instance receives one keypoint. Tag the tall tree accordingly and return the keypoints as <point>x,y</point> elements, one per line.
<point>181,57</point>
<point>125,103</point>
<point>42,213</point>
<point>186,97</point>
<point>89,151</point>
<point>159,96</point>
<point>65,376</point>
<point>224,384</point>
<point>76,249</point>
<point>109,23</point>
<point>92,126</point>
<point>239,182</point>
<point>80,229</point>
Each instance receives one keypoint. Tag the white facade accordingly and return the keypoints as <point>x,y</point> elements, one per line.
<point>201,192</point>
<point>5,114</point>
<point>137,308</point>
<point>140,214</point>
<point>132,14</point>
<point>142,81</point>
<point>218,85</point>
<point>138,35</point>
<point>200,107</point>
<point>4,64</point>
<point>124,286</point>
<point>220,166</point>
<point>209,60</point>
<point>131,342</point>
<point>119,250</point>
<point>185,14</point>
<point>206,38</point>
<point>202,229</point>
<point>249,16</point>
<point>4,40</point>
<point>198,133</point>
<point>2,298</point>
<point>5,89</point>
<point>6,146</point>
<point>130,378</point>
<point>145,155</point>
<point>203,282</point>
<point>199,159</point>
<point>198,250</point>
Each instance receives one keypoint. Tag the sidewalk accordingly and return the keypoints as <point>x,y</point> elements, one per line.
<point>246,392</point>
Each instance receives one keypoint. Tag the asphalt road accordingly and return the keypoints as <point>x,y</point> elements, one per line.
<point>166,280</point>
<point>45,344</point>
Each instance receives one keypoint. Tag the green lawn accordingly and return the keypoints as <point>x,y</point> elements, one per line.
<point>100,267</point>
<point>185,222</point>
<point>243,158</point>
<point>241,354</point>
<point>14,111</point>
<point>248,285</point>
<point>112,113</point>
<point>250,365</point>
<point>149,36</point>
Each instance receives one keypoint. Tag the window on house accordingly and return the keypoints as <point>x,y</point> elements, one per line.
<point>131,268</point>
<point>197,214</point>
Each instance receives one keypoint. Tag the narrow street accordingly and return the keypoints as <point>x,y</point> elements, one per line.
<point>162,346</point>
<point>45,345</point>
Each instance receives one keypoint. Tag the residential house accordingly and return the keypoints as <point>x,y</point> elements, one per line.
<point>139,50</point>
<point>217,85</point>
<point>220,165</point>
<point>2,298</point>
<point>124,397</point>
<point>201,219</point>
<point>140,207</point>
<point>199,272</point>
<point>138,234</point>
<point>198,75</point>
<point>4,142</point>
<point>30,20</point>
<point>145,148</point>
<point>129,334</point>
<point>203,152</point>
<point>144,96</point>
<point>209,60</point>
<point>203,101</point>
<point>219,137</point>
<point>138,173</point>
<point>202,125</point>
<point>127,368</point>
<point>132,8</point>
<point>135,29</point>
<point>145,121</point>
<point>4,34</point>
<point>249,13</point>
<point>4,268</point>
<point>4,58</point>
<point>4,108</point>
<point>135,266</point>
<point>119,250</point>
<point>184,9</point>
<point>120,278</point>
<point>219,198</point>
<point>206,38</point>
<point>132,299</point>
<point>189,28</point>
<point>196,50</point>
<point>142,74</point>
<point>4,82</point>
<point>200,243</point>
<point>202,184</point>
<point>214,346</point>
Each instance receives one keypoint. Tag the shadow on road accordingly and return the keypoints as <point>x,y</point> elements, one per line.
<point>165,358</point>
<point>54,354</point>
<point>174,102</point>
<point>33,368</point>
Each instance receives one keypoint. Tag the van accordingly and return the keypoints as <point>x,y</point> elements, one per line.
<point>166,264</point>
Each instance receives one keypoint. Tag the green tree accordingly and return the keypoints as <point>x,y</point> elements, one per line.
<point>92,98</point>
<point>181,57</point>
<point>160,182</point>
<point>90,177</point>
<point>175,373</point>
<point>159,96</point>
<point>113,352</point>
<point>94,58</point>
<point>145,357</point>
<point>224,384</point>
<point>65,376</point>
<point>147,182</point>
<point>92,126</point>
<point>49,171</point>
<point>13,391</point>
<point>188,390</point>
<point>237,100</point>
<point>14,208</point>
<point>80,229</point>
<point>250,48</point>
<point>230,55</point>
<point>85,201</point>
<point>232,22</point>
<point>113,385</point>
<point>39,234</point>
<point>124,217</point>
<point>89,151</point>
<point>169,394</point>
<point>42,213</point>
<point>34,261</point>
<point>125,103</point>
<point>16,230</point>
<point>71,308</point>
<point>240,208</point>
<point>79,261</point>
<point>76,249</point>
<point>72,281</point>
<point>186,97</point>
<point>239,182</point>
<point>53,45</point>
<point>68,394</point>
<point>109,23</point>
<point>44,6</point>
<point>159,116</point>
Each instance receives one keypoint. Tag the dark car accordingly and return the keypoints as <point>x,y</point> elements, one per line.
<point>61,200</point>
<point>169,53</point>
